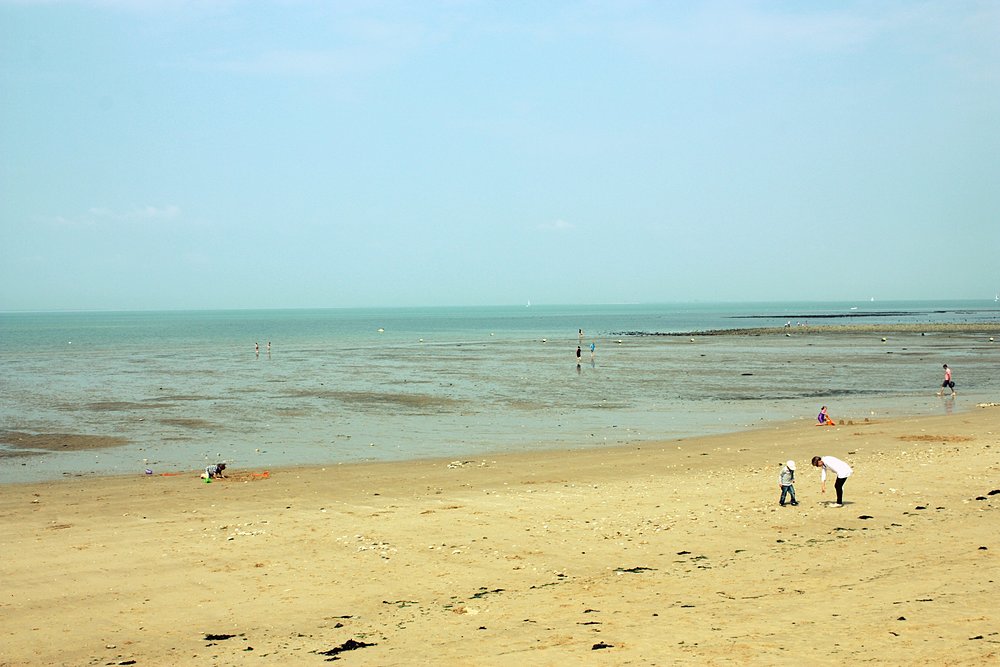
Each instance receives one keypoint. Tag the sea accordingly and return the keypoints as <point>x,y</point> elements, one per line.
<point>161,392</point>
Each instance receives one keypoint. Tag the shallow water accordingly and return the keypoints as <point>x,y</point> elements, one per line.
<point>187,389</point>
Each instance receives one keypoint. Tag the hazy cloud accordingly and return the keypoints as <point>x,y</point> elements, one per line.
<point>735,34</point>
<point>99,214</point>
<point>300,62</point>
<point>141,213</point>
<point>559,225</point>
<point>130,5</point>
<point>358,46</point>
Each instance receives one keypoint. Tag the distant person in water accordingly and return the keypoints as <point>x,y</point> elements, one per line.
<point>823,419</point>
<point>838,468</point>
<point>948,383</point>
<point>593,349</point>
<point>578,353</point>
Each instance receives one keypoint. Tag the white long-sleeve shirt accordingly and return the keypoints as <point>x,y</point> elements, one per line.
<point>839,468</point>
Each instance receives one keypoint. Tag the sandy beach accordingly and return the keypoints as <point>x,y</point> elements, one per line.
<point>671,553</point>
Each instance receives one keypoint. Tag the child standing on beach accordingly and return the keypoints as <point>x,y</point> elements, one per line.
<point>786,480</point>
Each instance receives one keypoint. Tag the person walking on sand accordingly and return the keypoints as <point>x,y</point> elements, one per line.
<point>593,349</point>
<point>839,468</point>
<point>947,384</point>
<point>786,480</point>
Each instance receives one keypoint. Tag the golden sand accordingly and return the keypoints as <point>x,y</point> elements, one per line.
<point>654,554</point>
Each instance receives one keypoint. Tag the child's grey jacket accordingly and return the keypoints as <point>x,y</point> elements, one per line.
<point>787,477</point>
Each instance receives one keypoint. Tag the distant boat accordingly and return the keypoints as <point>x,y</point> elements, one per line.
<point>529,304</point>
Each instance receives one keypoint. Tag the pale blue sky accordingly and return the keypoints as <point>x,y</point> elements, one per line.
<point>162,154</point>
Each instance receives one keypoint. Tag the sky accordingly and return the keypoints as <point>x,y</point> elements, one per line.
<point>205,154</point>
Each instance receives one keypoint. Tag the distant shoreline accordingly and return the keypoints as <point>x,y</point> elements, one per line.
<point>827,329</point>
<point>856,314</point>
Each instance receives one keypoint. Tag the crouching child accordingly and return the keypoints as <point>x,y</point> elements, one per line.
<point>214,471</point>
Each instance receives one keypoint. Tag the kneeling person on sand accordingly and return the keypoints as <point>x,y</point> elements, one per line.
<point>214,471</point>
<point>839,468</point>
<point>823,419</point>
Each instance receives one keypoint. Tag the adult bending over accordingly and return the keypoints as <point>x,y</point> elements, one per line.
<point>839,468</point>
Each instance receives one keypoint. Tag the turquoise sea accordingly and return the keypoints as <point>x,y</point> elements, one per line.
<point>183,389</point>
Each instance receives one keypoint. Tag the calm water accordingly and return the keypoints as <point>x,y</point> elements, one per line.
<point>186,388</point>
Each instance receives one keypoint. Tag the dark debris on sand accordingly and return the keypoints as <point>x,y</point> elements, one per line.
<point>349,645</point>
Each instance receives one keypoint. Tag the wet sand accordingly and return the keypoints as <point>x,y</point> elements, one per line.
<point>666,553</point>
<point>28,443</point>
<point>94,416</point>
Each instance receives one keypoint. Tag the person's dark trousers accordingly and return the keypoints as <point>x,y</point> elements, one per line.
<point>839,485</point>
